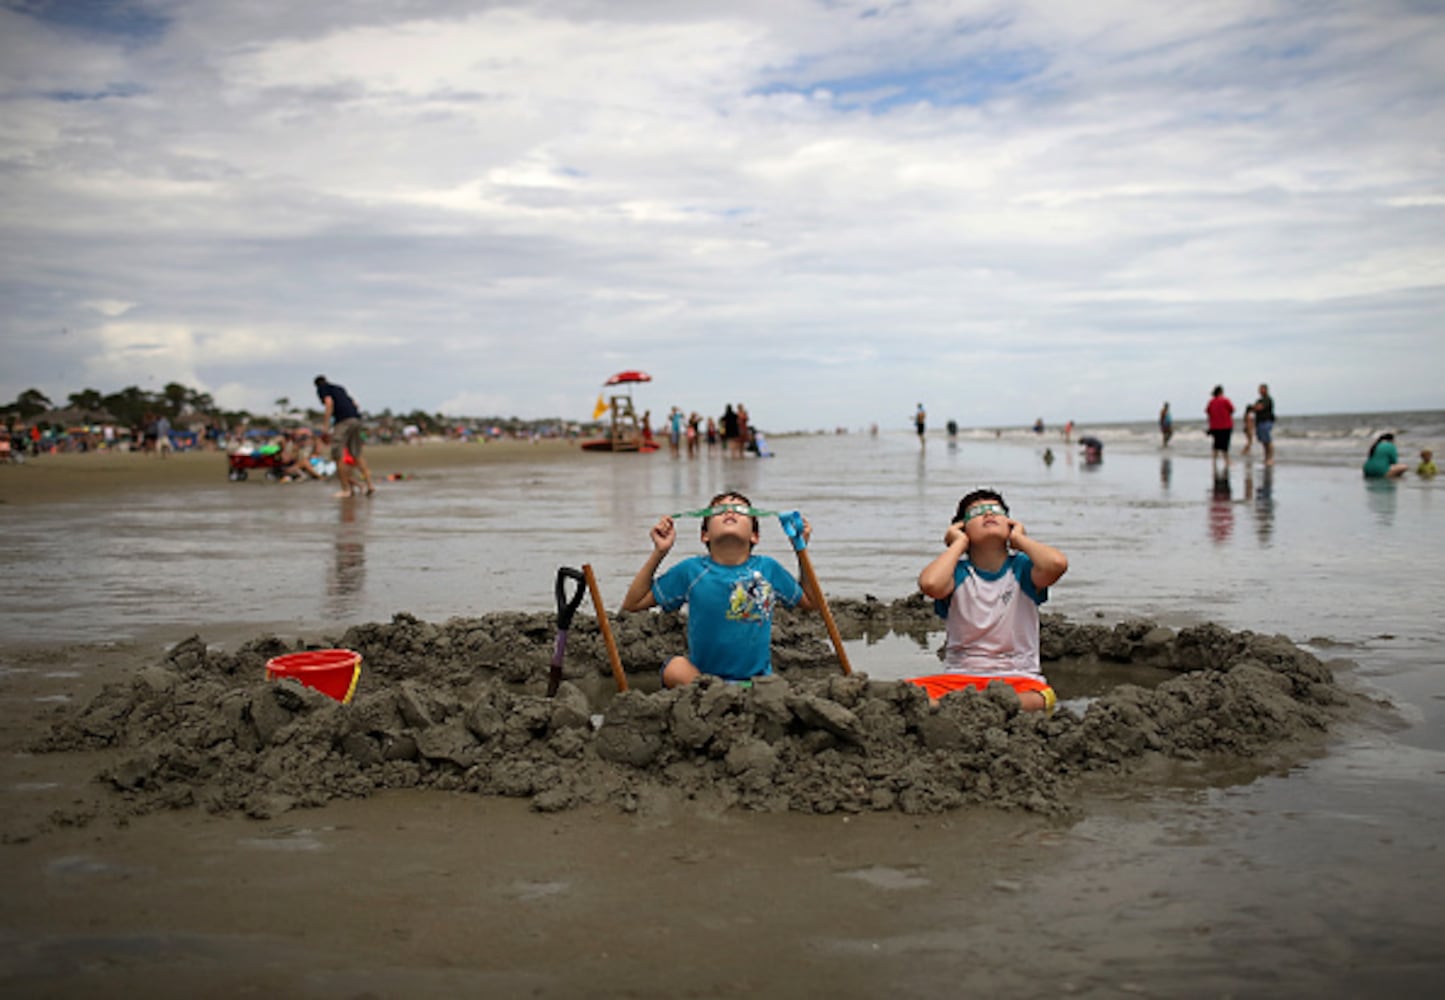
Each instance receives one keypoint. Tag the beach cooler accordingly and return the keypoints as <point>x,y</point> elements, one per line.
<point>333,672</point>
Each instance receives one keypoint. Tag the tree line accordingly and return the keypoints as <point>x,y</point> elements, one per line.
<point>137,407</point>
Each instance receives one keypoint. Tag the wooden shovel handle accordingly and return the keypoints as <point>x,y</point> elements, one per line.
<point>606,627</point>
<point>810,581</point>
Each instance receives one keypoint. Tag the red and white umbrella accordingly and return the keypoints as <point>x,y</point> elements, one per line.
<point>631,375</point>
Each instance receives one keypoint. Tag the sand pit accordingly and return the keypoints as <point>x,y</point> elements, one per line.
<point>461,707</point>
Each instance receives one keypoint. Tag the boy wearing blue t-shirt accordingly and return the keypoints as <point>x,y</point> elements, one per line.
<point>988,584</point>
<point>730,594</point>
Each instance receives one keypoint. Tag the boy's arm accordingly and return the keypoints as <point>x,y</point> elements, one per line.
<point>639,594</point>
<point>1049,562</point>
<point>936,580</point>
<point>806,602</point>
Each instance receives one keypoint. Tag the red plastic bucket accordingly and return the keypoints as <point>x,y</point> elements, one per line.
<point>333,672</point>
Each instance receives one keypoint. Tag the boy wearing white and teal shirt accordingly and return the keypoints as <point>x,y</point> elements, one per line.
<point>730,594</point>
<point>988,584</point>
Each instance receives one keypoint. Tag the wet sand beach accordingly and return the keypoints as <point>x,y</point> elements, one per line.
<point>737,846</point>
<point>113,474</point>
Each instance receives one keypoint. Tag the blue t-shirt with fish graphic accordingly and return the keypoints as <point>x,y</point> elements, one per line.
<point>730,611</point>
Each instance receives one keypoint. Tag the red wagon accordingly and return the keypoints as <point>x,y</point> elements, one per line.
<point>242,462</point>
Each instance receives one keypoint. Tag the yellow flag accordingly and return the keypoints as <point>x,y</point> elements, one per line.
<point>600,408</point>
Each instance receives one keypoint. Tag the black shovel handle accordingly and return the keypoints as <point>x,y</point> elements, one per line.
<point>567,605</point>
<point>566,608</point>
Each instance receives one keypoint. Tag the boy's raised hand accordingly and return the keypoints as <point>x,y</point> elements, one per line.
<point>663,534</point>
<point>954,533</point>
<point>1015,532</point>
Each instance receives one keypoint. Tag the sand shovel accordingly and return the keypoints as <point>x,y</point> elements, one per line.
<point>566,608</point>
<point>792,523</point>
<point>605,626</point>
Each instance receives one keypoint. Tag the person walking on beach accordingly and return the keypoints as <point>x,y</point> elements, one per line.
<point>730,436</point>
<point>1220,412</point>
<point>694,433</point>
<point>920,423</point>
<point>1383,461</point>
<point>1166,424</point>
<point>163,436</point>
<point>730,594</point>
<point>1264,422</point>
<point>674,431</point>
<point>345,419</point>
<point>988,584</point>
<point>1247,426</point>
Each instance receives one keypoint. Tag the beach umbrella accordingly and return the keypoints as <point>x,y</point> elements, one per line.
<point>631,375</point>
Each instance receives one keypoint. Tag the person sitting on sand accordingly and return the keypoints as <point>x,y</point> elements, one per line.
<point>990,597</point>
<point>730,594</point>
<point>1383,462</point>
<point>1426,469</point>
<point>295,462</point>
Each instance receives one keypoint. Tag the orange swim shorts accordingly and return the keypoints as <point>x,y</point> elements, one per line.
<point>938,685</point>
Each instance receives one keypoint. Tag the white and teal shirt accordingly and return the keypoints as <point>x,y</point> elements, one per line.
<point>993,620</point>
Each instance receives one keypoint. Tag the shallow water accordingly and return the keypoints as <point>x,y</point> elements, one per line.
<point>1311,551</point>
<point>1346,844</point>
<point>1146,534</point>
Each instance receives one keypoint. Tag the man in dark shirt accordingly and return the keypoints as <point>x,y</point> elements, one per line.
<point>1264,422</point>
<point>345,419</point>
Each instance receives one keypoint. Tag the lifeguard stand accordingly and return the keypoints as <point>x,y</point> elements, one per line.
<point>626,434</point>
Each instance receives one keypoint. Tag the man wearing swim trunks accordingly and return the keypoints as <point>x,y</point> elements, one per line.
<point>1264,422</point>
<point>345,418</point>
<point>988,585</point>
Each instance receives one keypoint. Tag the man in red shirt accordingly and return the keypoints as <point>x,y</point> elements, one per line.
<point>1220,412</point>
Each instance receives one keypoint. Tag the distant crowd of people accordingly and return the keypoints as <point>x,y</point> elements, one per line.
<point>732,431</point>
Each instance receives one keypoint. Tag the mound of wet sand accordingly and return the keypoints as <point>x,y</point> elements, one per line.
<point>461,707</point>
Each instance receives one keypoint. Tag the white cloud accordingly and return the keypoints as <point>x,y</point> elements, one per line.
<point>110,307</point>
<point>449,208</point>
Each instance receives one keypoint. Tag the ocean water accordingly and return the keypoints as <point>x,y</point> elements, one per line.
<point>1288,871</point>
<point>1334,439</point>
<point>1307,548</point>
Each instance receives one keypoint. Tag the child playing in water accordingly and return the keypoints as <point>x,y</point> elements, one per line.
<point>1426,468</point>
<point>730,593</point>
<point>990,597</point>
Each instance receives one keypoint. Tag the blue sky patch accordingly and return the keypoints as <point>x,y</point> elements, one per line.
<point>128,19</point>
<point>972,82</point>
<point>114,90</point>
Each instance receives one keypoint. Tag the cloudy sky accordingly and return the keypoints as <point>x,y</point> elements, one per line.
<point>828,209</point>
